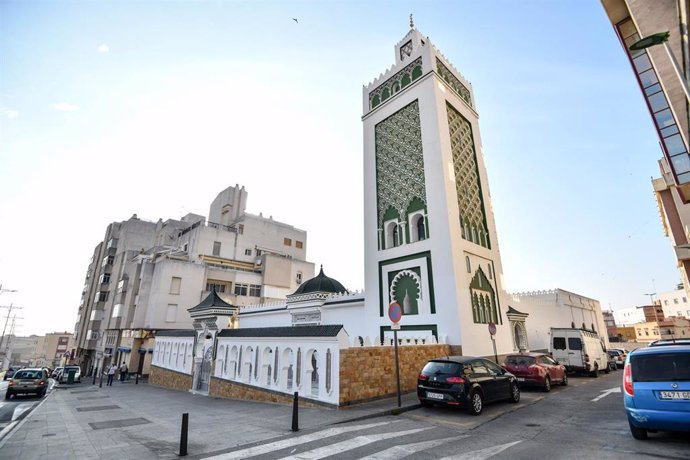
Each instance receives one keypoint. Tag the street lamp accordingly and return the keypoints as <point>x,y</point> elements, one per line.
<point>661,38</point>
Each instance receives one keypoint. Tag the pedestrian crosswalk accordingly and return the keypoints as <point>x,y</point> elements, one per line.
<point>395,441</point>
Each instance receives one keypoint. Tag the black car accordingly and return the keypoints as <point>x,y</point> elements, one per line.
<point>465,381</point>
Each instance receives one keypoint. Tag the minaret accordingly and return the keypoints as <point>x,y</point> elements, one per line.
<point>430,238</point>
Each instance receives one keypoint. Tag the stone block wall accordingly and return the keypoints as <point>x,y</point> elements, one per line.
<point>369,372</point>
<point>170,379</point>
<point>236,390</point>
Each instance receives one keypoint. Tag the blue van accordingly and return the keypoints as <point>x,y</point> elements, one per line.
<point>656,389</point>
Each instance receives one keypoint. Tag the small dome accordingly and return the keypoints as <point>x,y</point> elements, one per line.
<point>320,283</point>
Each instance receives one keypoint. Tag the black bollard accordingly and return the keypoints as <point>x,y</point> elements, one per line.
<point>295,405</point>
<point>94,377</point>
<point>136,381</point>
<point>183,434</point>
<point>100,383</point>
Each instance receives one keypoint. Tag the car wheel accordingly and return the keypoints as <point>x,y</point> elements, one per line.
<point>476,403</point>
<point>547,384</point>
<point>514,393</point>
<point>564,382</point>
<point>8,395</point>
<point>638,433</point>
<point>608,369</point>
<point>595,372</point>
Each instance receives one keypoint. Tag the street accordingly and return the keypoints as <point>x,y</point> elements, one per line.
<point>14,409</point>
<point>583,420</point>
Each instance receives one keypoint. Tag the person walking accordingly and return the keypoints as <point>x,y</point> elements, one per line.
<point>111,374</point>
<point>123,372</point>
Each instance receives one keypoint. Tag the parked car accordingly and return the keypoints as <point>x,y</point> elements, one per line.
<point>618,359</point>
<point>662,342</point>
<point>579,350</point>
<point>10,372</point>
<point>56,373</point>
<point>536,369</point>
<point>465,381</point>
<point>30,380</point>
<point>64,374</point>
<point>656,389</point>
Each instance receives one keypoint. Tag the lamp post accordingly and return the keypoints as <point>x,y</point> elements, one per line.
<point>661,38</point>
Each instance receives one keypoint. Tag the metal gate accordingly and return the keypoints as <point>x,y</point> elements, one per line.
<point>205,371</point>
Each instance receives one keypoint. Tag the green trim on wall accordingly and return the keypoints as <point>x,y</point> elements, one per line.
<point>412,327</point>
<point>427,256</point>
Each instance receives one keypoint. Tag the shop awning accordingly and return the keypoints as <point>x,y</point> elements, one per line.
<point>141,350</point>
<point>124,349</point>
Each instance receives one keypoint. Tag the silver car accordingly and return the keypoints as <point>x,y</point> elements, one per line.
<point>28,381</point>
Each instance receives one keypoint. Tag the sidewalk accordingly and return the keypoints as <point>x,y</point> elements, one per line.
<point>143,421</point>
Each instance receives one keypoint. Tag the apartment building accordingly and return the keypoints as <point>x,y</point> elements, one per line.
<point>145,275</point>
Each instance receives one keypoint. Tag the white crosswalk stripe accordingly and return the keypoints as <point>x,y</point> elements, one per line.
<point>404,450</point>
<point>285,443</point>
<point>483,453</point>
<point>344,446</point>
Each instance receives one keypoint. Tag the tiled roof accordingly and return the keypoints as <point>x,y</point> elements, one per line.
<point>213,300</point>
<point>329,330</point>
<point>176,333</point>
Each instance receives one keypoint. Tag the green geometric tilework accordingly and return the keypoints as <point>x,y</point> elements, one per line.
<point>399,161</point>
<point>468,187</point>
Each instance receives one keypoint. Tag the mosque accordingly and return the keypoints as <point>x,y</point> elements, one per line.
<point>430,245</point>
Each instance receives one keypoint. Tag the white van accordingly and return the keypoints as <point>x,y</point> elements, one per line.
<point>579,350</point>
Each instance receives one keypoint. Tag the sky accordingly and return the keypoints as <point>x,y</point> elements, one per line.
<point>115,108</point>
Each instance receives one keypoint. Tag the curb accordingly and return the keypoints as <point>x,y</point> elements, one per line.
<point>382,413</point>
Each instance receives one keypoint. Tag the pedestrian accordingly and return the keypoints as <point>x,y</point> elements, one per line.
<point>111,374</point>
<point>123,372</point>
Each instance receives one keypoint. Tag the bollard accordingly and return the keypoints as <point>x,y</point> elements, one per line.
<point>183,434</point>
<point>100,383</point>
<point>94,377</point>
<point>136,381</point>
<point>295,405</point>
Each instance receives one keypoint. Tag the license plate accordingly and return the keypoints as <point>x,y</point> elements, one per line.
<point>434,395</point>
<point>674,394</point>
<point>520,379</point>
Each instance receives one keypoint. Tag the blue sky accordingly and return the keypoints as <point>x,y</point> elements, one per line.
<point>113,108</point>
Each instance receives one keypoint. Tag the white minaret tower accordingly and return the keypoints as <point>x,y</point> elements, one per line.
<point>429,233</point>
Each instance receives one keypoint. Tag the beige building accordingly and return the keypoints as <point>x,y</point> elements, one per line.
<point>674,328</point>
<point>54,349</point>
<point>664,91</point>
<point>145,275</point>
<point>647,332</point>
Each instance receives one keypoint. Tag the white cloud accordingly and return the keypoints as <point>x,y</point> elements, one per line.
<point>9,113</point>
<point>65,107</point>
<point>103,48</point>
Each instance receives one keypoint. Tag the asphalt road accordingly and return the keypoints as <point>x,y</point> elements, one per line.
<point>13,410</point>
<point>581,421</point>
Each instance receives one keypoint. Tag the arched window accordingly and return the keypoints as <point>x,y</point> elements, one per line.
<point>421,229</point>
<point>385,95</point>
<point>299,367</point>
<point>328,370</point>
<point>406,80</point>
<point>396,88</point>
<point>396,237</point>
<point>375,101</point>
<point>416,73</point>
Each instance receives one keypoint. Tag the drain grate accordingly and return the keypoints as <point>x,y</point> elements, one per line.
<point>95,408</point>
<point>532,424</point>
<point>48,434</point>
<point>87,398</point>
<point>118,423</point>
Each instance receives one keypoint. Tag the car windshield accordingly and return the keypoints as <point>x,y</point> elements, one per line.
<point>662,367</point>
<point>520,360</point>
<point>28,375</point>
<point>441,368</point>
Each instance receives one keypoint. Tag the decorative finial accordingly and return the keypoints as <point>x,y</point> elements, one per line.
<point>411,22</point>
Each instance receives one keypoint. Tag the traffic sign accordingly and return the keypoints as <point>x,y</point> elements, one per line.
<point>492,328</point>
<point>395,327</point>
<point>395,312</point>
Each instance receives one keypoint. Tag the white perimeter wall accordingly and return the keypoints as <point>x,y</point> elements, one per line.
<point>174,353</point>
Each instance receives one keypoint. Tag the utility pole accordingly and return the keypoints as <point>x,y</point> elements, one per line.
<point>7,318</point>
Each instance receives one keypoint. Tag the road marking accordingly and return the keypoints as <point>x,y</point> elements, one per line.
<point>483,453</point>
<point>20,409</point>
<point>396,452</point>
<point>339,447</point>
<point>278,445</point>
<point>606,393</point>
